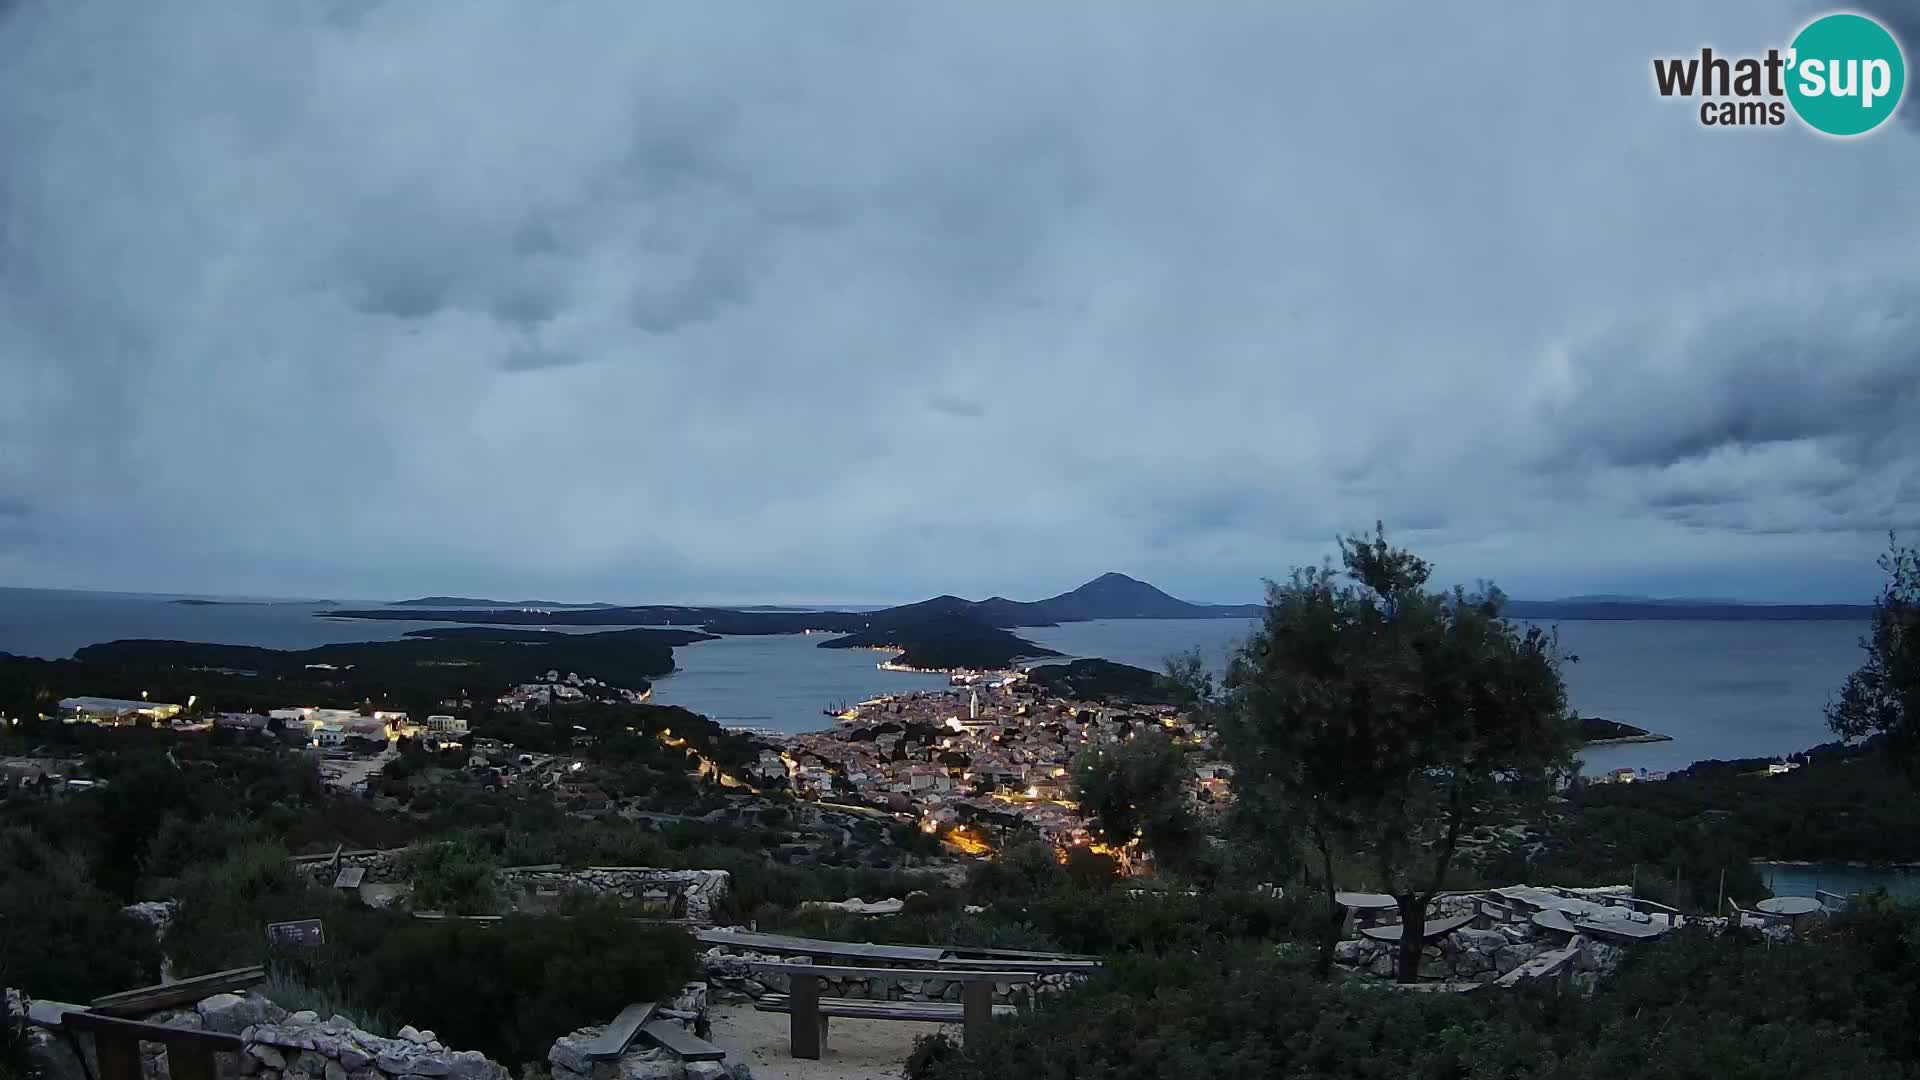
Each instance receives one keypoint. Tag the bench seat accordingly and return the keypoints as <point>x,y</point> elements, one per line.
<point>938,1012</point>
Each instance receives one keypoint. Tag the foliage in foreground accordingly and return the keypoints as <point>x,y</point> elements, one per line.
<point>508,988</point>
<point>1836,1008</point>
<point>1883,697</point>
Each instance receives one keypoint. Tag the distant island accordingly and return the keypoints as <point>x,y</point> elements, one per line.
<point>469,601</point>
<point>951,641</point>
<point>1109,596</point>
<point>948,632</point>
<point>219,603</point>
<point>1597,732</point>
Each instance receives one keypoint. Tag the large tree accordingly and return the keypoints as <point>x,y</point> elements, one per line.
<point>1134,793</point>
<point>1372,718</point>
<point>1883,697</point>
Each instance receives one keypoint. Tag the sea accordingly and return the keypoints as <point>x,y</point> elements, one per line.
<point>1718,689</point>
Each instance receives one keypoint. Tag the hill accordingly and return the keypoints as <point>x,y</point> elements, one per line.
<point>1109,596</point>
<point>945,642</point>
<point>1104,680</point>
<point>415,673</point>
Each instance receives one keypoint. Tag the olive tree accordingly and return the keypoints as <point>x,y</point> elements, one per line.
<point>1372,718</point>
<point>1134,793</point>
<point>1883,697</point>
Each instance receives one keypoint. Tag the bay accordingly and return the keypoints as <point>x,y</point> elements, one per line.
<point>1719,689</point>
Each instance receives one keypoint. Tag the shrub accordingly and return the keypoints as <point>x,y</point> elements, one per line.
<point>456,877</point>
<point>61,937</point>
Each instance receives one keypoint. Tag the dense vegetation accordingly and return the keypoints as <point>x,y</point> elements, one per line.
<point>1104,680</point>
<point>944,643</point>
<point>417,674</point>
<point>1838,1007</point>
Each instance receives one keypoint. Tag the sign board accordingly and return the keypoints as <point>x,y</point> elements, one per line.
<point>298,932</point>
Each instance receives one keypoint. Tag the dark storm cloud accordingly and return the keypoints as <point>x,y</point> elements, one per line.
<point>883,299</point>
<point>1902,20</point>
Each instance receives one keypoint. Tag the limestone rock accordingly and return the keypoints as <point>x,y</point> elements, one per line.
<point>304,1016</point>
<point>352,1057</point>
<point>269,1055</point>
<point>706,1070</point>
<point>640,1067</point>
<point>233,1013</point>
<point>334,1071</point>
<point>569,1052</point>
<point>474,1065</point>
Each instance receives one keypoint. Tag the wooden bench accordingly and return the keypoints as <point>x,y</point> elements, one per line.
<point>810,1012</point>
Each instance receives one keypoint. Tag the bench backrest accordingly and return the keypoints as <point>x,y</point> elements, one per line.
<point>838,971</point>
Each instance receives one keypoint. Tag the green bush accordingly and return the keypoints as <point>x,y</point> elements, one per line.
<point>508,988</point>
<point>60,936</point>
<point>455,877</point>
<point>1838,1006</point>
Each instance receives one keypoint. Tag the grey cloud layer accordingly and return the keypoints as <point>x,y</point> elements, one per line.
<point>665,301</point>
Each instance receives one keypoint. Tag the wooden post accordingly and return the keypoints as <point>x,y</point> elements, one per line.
<point>118,1055</point>
<point>803,999</point>
<point>190,1061</point>
<point>1721,907</point>
<point>976,1007</point>
<point>1635,886</point>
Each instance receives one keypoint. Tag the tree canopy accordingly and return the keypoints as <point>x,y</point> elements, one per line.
<point>1882,698</point>
<point>1379,718</point>
<point>1134,792</point>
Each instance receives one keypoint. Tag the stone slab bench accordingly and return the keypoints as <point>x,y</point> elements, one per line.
<point>810,1012</point>
<point>1433,930</point>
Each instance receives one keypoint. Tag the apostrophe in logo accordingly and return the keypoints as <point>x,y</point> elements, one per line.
<point>1847,74</point>
<point>1843,74</point>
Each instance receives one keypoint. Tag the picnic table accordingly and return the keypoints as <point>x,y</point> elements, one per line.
<point>1790,906</point>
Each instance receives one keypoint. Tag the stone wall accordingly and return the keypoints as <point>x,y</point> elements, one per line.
<point>701,890</point>
<point>730,978</point>
<point>382,867</point>
<point>525,887</point>
<point>279,1046</point>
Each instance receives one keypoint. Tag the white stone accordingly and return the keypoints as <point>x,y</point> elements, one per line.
<point>706,1070</point>
<point>304,1016</point>
<point>268,1055</point>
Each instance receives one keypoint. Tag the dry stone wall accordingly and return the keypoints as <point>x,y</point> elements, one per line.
<point>701,890</point>
<point>279,1046</point>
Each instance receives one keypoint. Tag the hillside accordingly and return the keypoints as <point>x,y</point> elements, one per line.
<point>1104,680</point>
<point>945,642</point>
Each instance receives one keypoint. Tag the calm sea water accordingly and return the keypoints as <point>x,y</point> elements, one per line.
<point>1720,689</point>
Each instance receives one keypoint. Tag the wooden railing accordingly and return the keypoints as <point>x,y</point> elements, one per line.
<point>116,1045</point>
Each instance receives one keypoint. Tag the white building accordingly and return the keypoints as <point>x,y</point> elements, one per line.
<point>446,725</point>
<point>114,710</point>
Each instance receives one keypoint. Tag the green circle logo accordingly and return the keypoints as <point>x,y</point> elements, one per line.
<point>1845,74</point>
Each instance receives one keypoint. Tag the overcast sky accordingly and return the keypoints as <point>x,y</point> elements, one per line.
<point>871,300</point>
